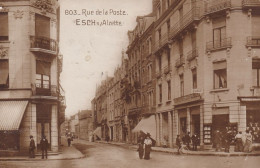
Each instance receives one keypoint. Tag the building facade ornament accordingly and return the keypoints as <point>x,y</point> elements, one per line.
<point>18,14</point>
<point>44,5</point>
<point>3,52</point>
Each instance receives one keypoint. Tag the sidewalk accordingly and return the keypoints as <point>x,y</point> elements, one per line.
<point>66,153</point>
<point>211,152</point>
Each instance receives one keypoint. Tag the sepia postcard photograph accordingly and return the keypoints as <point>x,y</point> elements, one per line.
<point>129,83</point>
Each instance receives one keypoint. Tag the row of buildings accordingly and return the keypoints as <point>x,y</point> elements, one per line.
<point>79,125</point>
<point>192,66</point>
<point>32,101</point>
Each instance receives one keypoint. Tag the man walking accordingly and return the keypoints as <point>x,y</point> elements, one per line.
<point>178,143</point>
<point>32,147</point>
<point>195,141</point>
<point>44,146</point>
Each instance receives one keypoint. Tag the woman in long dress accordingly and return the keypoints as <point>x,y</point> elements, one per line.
<point>141,147</point>
<point>147,147</point>
<point>248,143</point>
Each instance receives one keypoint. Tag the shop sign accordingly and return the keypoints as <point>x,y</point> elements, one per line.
<point>187,98</point>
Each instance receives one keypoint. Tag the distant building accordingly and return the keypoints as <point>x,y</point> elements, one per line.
<point>85,124</point>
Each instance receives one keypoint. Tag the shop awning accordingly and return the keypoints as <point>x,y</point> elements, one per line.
<point>97,132</point>
<point>11,114</point>
<point>147,125</point>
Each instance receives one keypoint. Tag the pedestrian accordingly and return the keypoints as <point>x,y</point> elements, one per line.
<point>147,146</point>
<point>141,147</point>
<point>228,140</point>
<point>178,143</point>
<point>187,140</point>
<point>248,143</point>
<point>217,140</point>
<point>239,142</point>
<point>107,138</point>
<point>32,147</point>
<point>195,141</point>
<point>69,139</point>
<point>44,146</point>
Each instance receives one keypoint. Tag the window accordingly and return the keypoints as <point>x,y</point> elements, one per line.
<point>160,93</point>
<point>158,12</point>
<point>43,74</point>
<point>219,32</point>
<point>4,73</point>
<point>168,3</point>
<point>4,26</point>
<point>220,75</point>
<point>181,85</point>
<point>160,63</point>
<point>193,40</point>
<point>169,57</point>
<point>194,78</point>
<point>168,26</point>
<point>169,89</point>
<point>159,34</point>
<point>256,72</point>
<point>255,29</point>
<point>181,47</point>
<point>42,26</point>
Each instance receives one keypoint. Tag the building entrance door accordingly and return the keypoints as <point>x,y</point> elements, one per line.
<point>195,129</point>
<point>219,122</point>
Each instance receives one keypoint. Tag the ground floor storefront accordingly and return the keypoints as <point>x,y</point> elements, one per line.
<point>20,119</point>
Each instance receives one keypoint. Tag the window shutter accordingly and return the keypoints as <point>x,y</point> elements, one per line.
<point>219,22</point>
<point>220,65</point>
<point>43,68</point>
<point>4,71</point>
<point>4,24</point>
<point>42,26</point>
<point>256,25</point>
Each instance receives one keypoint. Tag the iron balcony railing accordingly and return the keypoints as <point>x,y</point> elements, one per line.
<point>216,6</point>
<point>45,90</point>
<point>161,42</point>
<point>250,3</point>
<point>253,41</point>
<point>43,43</point>
<point>167,69</point>
<point>179,62</point>
<point>185,21</point>
<point>192,54</point>
<point>219,44</point>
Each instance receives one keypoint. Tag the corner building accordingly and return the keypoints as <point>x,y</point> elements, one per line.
<point>30,97</point>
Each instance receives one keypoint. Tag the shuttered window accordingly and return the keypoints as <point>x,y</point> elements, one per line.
<point>4,26</point>
<point>4,73</point>
<point>42,26</point>
<point>256,25</point>
<point>43,74</point>
<point>220,75</point>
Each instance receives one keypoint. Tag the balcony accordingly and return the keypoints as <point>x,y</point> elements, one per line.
<point>249,4</point>
<point>45,90</point>
<point>167,69</point>
<point>217,6</point>
<point>185,22</point>
<point>255,91</point>
<point>161,42</point>
<point>43,45</point>
<point>253,41</point>
<point>179,62</point>
<point>219,44</point>
<point>192,54</point>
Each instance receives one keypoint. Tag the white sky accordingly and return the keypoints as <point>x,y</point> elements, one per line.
<point>90,50</point>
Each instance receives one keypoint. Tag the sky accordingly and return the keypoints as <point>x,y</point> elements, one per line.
<point>92,51</point>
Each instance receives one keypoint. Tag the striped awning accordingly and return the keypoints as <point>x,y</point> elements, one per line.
<point>11,114</point>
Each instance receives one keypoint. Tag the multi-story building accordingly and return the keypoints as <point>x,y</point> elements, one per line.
<point>74,124</point>
<point>29,73</point>
<point>85,124</point>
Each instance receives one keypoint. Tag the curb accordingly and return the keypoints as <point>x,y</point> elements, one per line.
<point>37,159</point>
<point>188,153</point>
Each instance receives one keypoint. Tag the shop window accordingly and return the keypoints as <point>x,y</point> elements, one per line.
<point>220,75</point>
<point>160,93</point>
<point>219,32</point>
<point>9,140</point>
<point>169,90</point>
<point>253,124</point>
<point>4,73</point>
<point>4,26</point>
<point>43,75</point>
<point>256,72</point>
<point>194,78</point>
<point>181,85</point>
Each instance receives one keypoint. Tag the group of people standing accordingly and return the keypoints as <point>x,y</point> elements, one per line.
<point>243,143</point>
<point>186,140</point>
<point>144,146</point>
<point>43,145</point>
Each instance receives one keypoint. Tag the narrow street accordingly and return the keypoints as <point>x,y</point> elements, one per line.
<point>110,156</point>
